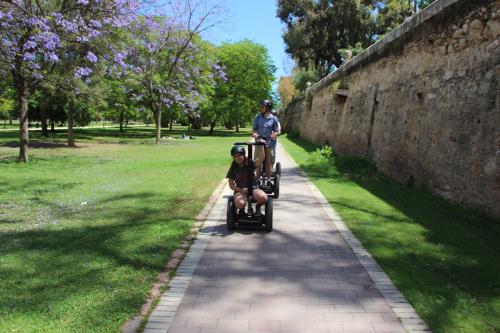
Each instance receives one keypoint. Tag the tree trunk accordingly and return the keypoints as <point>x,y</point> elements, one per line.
<point>5,123</point>
<point>71,136</point>
<point>237,127</point>
<point>195,123</point>
<point>121,121</point>
<point>171,122</point>
<point>158,126</point>
<point>43,118</point>
<point>10,119</point>
<point>22,95</point>
<point>212,125</point>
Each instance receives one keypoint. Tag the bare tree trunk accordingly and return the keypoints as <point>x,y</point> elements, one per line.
<point>171,122</point>
<point>121,121</point>
<point>158,126</point>
<point>5,123</point>
<point>52,125</point>
<point>43,118</point>
<point>22,95</point>
<point>237,127</point>
<point>71,135</point>
<point>212,125</point>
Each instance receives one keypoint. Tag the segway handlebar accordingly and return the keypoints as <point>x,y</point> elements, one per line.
<point>252,143</point>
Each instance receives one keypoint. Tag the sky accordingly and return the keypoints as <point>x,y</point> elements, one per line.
<point>257,21</point>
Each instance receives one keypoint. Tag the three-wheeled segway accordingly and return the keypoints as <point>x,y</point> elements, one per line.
<point>250,217</point>
<point>273,186</point>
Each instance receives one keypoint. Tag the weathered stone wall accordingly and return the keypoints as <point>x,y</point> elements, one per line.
<point>423,103</point>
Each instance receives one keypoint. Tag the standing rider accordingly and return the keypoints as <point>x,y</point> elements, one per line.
<point>266,125</point>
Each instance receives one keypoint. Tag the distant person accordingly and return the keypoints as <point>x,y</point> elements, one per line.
<point>266,125</point>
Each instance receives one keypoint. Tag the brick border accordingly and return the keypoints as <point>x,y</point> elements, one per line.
<point>162,316</point>
<point>402,308</point>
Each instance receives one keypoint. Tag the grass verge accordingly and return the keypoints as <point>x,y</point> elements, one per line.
<point>445,259</point>
<point>84,231</point>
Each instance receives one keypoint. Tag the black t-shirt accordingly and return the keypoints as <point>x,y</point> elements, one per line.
<point>240,173</point>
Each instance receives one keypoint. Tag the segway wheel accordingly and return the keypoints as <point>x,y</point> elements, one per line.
<point>231,214</point>
<point>268,218</point>
<point>278,168</point>
<point>276,187</point>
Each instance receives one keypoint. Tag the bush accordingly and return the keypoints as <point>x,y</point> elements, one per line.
<point>326,152</point>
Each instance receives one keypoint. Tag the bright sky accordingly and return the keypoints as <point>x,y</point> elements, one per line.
<point>257,21</point>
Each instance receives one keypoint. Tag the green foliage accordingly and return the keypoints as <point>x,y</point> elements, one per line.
<point>249,72</point>
<point>326,152</point>
<point>303,77</point>
<point>6,106</point>
<point>319,32</point>
<point>7,99</point>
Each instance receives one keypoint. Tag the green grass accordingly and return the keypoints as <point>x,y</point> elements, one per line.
<point>445,259</point>
<point>84,231</point>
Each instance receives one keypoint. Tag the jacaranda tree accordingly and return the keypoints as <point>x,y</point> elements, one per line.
<point>161,53</point>
<point>36,35</point>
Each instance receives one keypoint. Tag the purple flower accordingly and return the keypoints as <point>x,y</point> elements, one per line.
<point>95,24</point>
<point>82,72</point>
<point>119,60</point>
<point>51,57</point>
<point>37,75</point>
<point>34,65</point>
<point>28,56</point>
<point>91,57</point>
<point>29,45</point>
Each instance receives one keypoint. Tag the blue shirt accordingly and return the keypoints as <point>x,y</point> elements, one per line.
<point>265,126</point>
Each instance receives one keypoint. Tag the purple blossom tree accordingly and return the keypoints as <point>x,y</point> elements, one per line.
<point>37,35</point>
<point>163,50</point>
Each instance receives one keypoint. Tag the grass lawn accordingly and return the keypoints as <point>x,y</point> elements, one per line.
<point>444,259</point>
<point>84,231</point>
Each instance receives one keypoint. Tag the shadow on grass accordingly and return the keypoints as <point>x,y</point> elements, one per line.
<point>37,144</point>
<point>110,245</point>
<point>9,138</point>
<point>445,258</point>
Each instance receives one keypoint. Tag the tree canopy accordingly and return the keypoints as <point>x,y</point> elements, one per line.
<point>248,79</point>
<point>319,30</point>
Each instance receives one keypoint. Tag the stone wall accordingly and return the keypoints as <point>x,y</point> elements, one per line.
<point>423,103</point>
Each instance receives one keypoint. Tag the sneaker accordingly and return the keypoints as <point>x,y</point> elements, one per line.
<point>241,212</point>
<point>250,210</point>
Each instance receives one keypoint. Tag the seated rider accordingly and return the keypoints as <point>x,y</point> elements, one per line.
<point>266,125</point>
<point>238,175</point>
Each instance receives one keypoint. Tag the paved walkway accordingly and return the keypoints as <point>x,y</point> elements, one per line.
<point>302,277</point>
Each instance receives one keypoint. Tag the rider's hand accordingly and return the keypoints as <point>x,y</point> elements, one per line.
<point>244,191</point>
<point>274,135</point>
<point>255,135</point>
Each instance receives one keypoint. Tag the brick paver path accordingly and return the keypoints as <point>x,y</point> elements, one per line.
<point>302,277</point>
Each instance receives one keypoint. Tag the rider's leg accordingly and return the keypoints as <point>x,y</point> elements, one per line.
<point>258,152</point>
<point>240,200</point>
<point>260,197</point>
<point>269,162</point>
